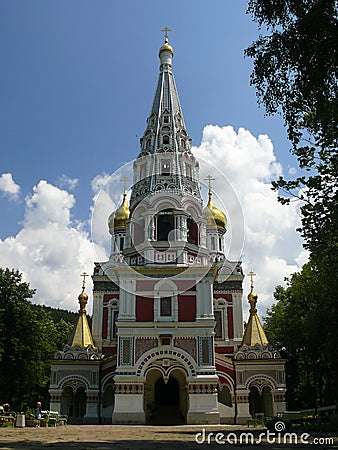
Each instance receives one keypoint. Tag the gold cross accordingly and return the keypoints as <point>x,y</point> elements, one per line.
<point>166,30</point>
<point>251,278</point>
<point>209,179</point>
<point>125,179</point>
<point>84,275</point>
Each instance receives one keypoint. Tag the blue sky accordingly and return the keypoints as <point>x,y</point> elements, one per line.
<point>77,82</point>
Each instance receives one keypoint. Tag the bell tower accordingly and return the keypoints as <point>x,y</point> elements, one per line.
<point>167,285</point>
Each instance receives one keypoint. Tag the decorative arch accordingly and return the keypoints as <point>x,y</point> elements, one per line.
<point>151,357</point>
<point>165,285</point>
<point>192,208</point>
<point>259,381</point>
<point>73,381</point>
<point>164,201</point>
<point>229,380</point>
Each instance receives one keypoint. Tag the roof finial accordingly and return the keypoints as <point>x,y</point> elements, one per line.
<point>83,297</point>
<point>84,275</point>
<point>252,297</point>
<point>254,332</point>
<point>166,31</point>
<point>125,179</point>
<point>209,179</point>
<point>251,278</point>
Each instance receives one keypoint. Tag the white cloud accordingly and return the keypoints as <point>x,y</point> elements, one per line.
<point>108,190</point>
<point>49,251</point>
<point>9,187</point>
<point>292,171</point>
<point>272,248</point>
<point>67,182</point>
<point>52,252</point>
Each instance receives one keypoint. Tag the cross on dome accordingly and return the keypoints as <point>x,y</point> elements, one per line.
<point>84,275</point>
<point>166,31</point>
<point>251,274</point>
<point>209,179</point>
<point>125,179</point>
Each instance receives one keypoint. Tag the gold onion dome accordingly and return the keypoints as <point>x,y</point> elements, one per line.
<point>252,297</point>
<point>166,47</point>
<point>119,217</point>
<point>83,296</point>
<point>214,216</point>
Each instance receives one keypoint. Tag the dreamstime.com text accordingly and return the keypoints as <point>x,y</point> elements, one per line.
<point>266,436</point>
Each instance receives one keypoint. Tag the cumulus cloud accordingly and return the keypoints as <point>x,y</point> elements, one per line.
<point>49,251</point>
<point>9,187</point>
<point>108,191</point>
<point>67,182</point>
<point>52,252</point>
<point>292,171</point>
<point>270,247</point>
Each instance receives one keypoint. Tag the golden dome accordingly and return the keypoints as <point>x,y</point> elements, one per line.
<point>166,48</point>
<point>214,216</point>
<point>83,296</point>
<point>83,299</point>
<point>118,218</point>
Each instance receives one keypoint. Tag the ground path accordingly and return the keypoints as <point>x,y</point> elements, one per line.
<point>106,437</point>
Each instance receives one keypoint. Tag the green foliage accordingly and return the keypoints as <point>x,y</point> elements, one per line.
<point>29,338</point>
<point>58,314</point>
<point>295,73</point>
<point>302,325</point>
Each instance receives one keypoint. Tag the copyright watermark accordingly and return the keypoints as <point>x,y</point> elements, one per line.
<point>267,436</point>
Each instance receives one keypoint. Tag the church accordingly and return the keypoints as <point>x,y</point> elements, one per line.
<point>167,343</point>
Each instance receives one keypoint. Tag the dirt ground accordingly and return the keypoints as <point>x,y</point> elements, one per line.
<point>104,437</point>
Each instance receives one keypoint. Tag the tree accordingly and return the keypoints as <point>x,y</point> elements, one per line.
<point>295,73</point>
<point>302,325</point>
<point>28,340</point>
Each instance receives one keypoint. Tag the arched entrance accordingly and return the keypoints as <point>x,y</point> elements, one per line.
<point>73,404</point>
<point>260,401</point>
<point>166,399</point>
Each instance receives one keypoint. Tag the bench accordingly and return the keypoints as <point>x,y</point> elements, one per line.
<point>52,419</point>
<point>7,419</point>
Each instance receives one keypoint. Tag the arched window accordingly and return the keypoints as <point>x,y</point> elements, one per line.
<point>224,395</point>
<point>183,143</point>
<point>165,167</point>
<point>165,139</point>
<point>165,224</point>
<point>148,144</point>
<point>192,231</point>
<point>188,171</point>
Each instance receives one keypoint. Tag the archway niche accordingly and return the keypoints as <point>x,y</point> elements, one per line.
<point>73,403</point>
<point>224,395</point>
<point>108,401</point>
<point>192,231</point>
<point>165,224</point>
<point>261,401</point>
<point>165,399</point>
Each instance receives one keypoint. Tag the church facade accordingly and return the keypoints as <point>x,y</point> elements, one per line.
<point>167,344</point>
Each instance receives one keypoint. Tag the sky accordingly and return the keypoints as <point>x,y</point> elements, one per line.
<point>76,86</point>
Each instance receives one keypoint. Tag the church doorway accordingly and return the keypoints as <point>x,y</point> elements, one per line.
<point>165,399</point>
<point>73,404</point>
<point>167,402</point>
<point>260,401</point>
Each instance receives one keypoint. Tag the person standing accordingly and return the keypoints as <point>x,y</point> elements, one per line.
<point>38,413</point>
